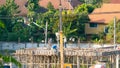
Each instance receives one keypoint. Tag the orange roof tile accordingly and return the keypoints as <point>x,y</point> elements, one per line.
<point>2,2</point>
<point>115,1</point>
<point>22,8</point>
<point>66,4</point>
<point>105,14</point>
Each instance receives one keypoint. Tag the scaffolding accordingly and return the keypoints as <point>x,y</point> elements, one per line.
<point>73,57</point>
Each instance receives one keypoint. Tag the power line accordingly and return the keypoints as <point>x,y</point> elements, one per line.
<point>57,15</point>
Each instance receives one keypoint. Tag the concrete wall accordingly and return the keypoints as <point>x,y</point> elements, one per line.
<point>15,46</point>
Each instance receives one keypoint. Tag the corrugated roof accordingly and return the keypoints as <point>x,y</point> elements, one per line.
<point>105,14</point>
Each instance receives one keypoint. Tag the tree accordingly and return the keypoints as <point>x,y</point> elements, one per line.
<point>93,2</point>
<point>7,12</point>
<point>19,30</point>
<point>50,7</point>
<point>33,5</point>
<point>8,59</point>
<point>2,25</point>
<point>88,8</point>
<point>2,30</point>
<point>67,29</point>
<point>98,38</point>
<point>110,34</point>
<point>33,8</point>
<point>73,23</point>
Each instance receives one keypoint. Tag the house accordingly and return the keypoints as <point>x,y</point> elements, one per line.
<point>66,4</point>
<point>101,17</point>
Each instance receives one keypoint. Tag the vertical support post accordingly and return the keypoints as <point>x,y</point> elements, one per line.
<point>78,62</point>
<point>26,61</point>
<point>114,32</point>
<point>61,36</point>
<point>60,16</point>
<point>48,62</point>
<point>44,61</point>
<point>112,57</point>
<point>46,33</point>
<point>61,50</point>
<point>87,62</point>
<point>117,61</point>
<point>78,42</point>
<point>111,62</point>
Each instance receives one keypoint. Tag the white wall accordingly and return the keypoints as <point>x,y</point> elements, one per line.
<point>15,46</point>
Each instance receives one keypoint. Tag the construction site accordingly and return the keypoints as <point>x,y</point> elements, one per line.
<point>61,57</point>
<point>72,58</point>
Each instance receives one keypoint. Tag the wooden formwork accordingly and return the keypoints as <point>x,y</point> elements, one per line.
<point>78,58</point>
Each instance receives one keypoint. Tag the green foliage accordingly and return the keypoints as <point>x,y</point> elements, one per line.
<point>73,22</point>
<point>33,5</point>
<point>7,11</point>
<point>7,59</point>
<point>12,7</point>
<point>33,8</point>
<point>110,34</point>
<point>3,31</point>
<point>2,25</point>
<point>50,7</point>
<point>84,8</point>
<point>67,29</point>
<point>93,2</point>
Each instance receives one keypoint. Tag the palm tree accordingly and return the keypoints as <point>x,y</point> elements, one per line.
<point>67,30</point>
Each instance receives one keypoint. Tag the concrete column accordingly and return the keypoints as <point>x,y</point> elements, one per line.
<point>48,63</point>
<point>78,62</point>
<point>117,61</point>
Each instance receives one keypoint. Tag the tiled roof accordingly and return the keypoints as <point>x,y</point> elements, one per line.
<point>66,4</point>
<point>115,1</point>
<point>22,8</point>
<point>2,2</point>
<point>105,14</point>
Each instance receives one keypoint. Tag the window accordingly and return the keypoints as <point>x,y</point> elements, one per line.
<point>106,29</point>
<point>67,67</point>
<point>93,25</point>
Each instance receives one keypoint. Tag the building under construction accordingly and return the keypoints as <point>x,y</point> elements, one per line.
<point>73,57</point>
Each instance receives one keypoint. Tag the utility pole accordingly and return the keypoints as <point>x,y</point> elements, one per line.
<point>117,55</point>
<point>46,33</point>
<point>61,36</point>
<point>114,32</point>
